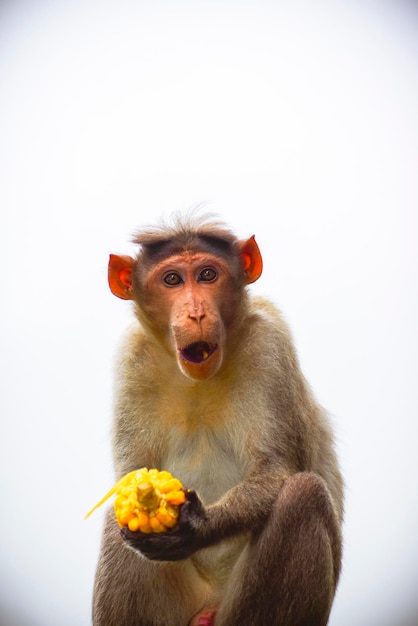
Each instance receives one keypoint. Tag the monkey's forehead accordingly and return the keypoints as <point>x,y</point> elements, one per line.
<point>150,255</point>
<point>188,260</point>
<point>190,256</point>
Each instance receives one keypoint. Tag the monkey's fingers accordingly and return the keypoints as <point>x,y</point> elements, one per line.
<point>173,545</point>
<point>192,512</point>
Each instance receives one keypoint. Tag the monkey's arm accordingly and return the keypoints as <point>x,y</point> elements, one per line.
<point>244,508</point>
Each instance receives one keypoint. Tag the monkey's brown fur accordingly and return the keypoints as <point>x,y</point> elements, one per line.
<point>263,543</point>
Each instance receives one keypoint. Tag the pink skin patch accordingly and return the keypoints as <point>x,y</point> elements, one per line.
<point>205,618</point>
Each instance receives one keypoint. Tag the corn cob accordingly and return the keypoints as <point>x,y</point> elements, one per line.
<point>146,500</point>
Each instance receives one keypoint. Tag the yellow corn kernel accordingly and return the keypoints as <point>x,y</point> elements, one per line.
<point>146,500</point>
<point>175,497</point>
<point>156,525</point>
<point>164,476</point>
<point>143,518</point>
<point>172,484</point>
<point>167,517</point>
<point>134,524</point>
<point>125,517</point>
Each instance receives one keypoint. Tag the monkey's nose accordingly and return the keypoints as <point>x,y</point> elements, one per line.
<point>196,313</point>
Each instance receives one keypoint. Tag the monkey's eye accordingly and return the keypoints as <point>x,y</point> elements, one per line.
<point>172,278</point>
<point>207,275</point>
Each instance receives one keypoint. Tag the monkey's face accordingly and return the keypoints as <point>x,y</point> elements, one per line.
<point>190,302</point>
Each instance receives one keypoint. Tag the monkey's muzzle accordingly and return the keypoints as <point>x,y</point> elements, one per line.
<point>198,352</point>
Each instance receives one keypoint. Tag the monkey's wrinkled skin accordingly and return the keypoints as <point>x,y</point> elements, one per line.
<point>146,500</point>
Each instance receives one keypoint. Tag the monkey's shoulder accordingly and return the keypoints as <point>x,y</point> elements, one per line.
<point>136,347</point>
<point>269,334</point>
<point>264,312</point>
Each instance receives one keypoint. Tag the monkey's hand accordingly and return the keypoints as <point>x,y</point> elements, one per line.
<point>178,543</point>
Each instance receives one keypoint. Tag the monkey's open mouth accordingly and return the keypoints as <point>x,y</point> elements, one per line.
<point>198,351</point>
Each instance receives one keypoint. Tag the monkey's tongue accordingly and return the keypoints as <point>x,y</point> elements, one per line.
<point>198,351</point>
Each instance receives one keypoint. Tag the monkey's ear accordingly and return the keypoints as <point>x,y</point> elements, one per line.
<point>120,276</point>
<point>252,261</point>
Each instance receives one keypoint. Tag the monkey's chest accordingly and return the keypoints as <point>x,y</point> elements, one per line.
<point>205,460</point>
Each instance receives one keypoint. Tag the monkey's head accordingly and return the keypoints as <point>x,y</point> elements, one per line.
<point>188,285</point>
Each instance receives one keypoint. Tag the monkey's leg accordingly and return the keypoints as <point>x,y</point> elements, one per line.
<point>130,590</point>
<point>288,573</point>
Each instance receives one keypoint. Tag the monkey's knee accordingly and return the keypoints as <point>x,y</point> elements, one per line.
<point>305,506</point>
<point>308,492</point>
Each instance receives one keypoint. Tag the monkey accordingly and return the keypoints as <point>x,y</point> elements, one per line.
<point>209,387</point>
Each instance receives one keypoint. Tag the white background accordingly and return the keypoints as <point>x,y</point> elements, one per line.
<point>296,121</point>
